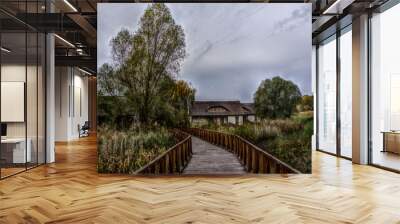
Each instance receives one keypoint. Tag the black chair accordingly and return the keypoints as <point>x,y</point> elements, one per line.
<point>84,130</point>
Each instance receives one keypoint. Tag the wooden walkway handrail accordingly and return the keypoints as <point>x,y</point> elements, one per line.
<point>174,160</point>
<point>254,159</point>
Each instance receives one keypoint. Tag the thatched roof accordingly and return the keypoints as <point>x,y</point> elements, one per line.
<point>221,108</point>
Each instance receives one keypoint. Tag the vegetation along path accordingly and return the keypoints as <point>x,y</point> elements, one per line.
<point>211,159</point>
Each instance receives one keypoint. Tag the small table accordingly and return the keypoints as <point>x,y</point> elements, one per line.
<point>391,141</point>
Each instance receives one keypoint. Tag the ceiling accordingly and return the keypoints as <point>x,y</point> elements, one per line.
<point>74,21</point>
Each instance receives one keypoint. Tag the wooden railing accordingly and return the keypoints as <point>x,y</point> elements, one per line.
<point>254,159</point>
<point>174,160</point>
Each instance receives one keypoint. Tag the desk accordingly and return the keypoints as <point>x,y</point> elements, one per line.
<point>391,141</point>
<point>13,150</point>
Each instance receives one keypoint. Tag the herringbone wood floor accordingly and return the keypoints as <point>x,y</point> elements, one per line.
<point>71,191</point>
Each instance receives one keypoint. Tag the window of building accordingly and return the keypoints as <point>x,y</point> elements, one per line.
<point>217,109</point>
<point>327,95</point>
<point>346,92</point>
<point>385,89</point>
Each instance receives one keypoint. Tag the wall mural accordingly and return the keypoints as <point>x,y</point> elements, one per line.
<point>190,89</point>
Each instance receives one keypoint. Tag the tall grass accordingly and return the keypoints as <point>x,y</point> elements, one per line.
<point>287,139</point>
<point>128,150</point>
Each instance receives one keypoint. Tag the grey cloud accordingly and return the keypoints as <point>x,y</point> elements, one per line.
<point>229,53</point>
<point>297,17</point>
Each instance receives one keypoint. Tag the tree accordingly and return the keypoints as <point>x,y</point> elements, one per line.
<point>121,47</point>
<point>183,95</point>
<point>110,103</point>
<point>306,103</point>
<point>106,82</point>
<point>276,98</point>
<point>158,48</point>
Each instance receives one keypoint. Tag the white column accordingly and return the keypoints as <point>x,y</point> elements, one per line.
<point>360,90</point>
<point>50,98</point>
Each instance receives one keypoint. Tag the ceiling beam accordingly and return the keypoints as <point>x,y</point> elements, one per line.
<point>77,61</point>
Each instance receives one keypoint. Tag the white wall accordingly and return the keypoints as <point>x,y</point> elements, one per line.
<point>251,118</point>
<point>11,73</point>
<point>33,126</point>
<point>71,87</point>
<point>16,73</point>
<point>232,119</point>
<point>240,120</point>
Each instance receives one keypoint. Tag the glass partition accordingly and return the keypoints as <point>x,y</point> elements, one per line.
<point>22,77</point>
<point>327,95</point>
<point>14,153</point>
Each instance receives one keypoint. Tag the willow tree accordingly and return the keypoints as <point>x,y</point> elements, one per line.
<point>158,49</point>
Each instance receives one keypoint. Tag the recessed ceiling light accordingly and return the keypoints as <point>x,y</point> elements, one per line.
<point>337,7</point>
<point>70,5</point>
<point>86,72</point>
<point>5,50</point>
<point>64,40</point>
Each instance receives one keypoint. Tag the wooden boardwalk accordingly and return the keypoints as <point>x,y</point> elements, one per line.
<point>211,159</point>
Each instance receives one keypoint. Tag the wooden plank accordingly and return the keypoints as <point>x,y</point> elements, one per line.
<point>211,159</point>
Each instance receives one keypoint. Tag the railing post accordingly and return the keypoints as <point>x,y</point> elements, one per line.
<point>261,163</point>
<point>174,161</point>
<point>241,150</point>
<point>248,157</point>
<point>190,144</point>
<point>244,154</point>
<point>234,144</point>
<point>183,155</point>
<point>254,161</point>
<point>157,168</point>
<point>178,159</point>
<point>171,162</point>
<point>272,166</point>
<point>166,164</point>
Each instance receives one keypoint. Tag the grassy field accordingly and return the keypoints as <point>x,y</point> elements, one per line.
<point>128,150</point>
<point>287,139</point>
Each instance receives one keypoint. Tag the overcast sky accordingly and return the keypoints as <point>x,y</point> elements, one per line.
<point>231,47</point>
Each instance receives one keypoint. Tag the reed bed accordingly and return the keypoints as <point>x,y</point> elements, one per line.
<point>128,150</point>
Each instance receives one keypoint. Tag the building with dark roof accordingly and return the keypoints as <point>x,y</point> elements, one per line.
<point>221,112</point>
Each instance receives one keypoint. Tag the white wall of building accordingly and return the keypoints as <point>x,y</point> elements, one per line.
<point>232,119</point>
<point>240,120</point>
<point>71,102</point>
<point>251,118</point>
